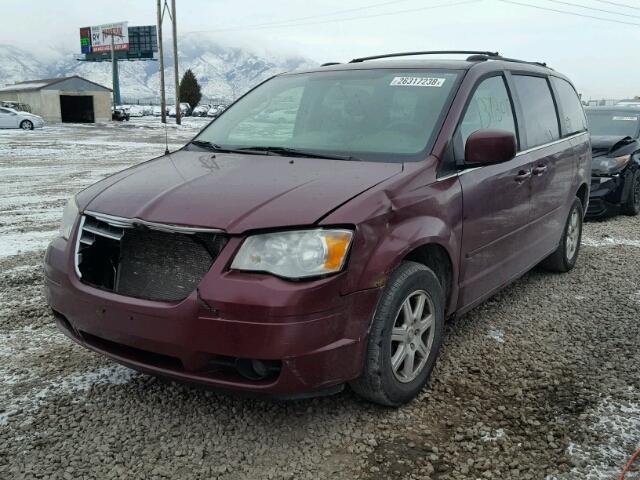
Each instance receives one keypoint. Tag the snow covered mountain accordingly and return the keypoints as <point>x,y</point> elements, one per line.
<point>224,72</point>
<point>17,65</point>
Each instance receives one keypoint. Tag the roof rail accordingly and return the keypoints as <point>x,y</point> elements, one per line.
<point>481,58</point>
<point>475,56</point>
<point>432,52</point>
<point>328,64</point>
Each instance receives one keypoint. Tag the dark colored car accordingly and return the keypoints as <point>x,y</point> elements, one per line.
<point>321,230</point>
<point>615,182</point>
<point>119,115</point>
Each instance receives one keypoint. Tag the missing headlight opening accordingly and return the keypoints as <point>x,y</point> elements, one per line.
<point>141,262</point>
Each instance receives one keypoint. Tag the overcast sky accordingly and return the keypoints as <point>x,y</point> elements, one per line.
<point>600,56</point>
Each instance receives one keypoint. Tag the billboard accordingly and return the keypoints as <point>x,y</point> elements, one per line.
<point>97,39</point>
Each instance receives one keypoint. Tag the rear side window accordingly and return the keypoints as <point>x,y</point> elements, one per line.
<point>572,119</point>
<point>489,107</point>
<point>540,118</point>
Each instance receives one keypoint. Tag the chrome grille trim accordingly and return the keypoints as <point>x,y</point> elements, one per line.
<point>120,222</point>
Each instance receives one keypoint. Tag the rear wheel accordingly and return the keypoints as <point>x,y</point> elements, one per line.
<point>405,337</point>
<point>26,125</point>
<point>565,256</point>
<point>632,205</point>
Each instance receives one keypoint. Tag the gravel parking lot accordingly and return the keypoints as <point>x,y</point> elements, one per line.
<point>540,382</point>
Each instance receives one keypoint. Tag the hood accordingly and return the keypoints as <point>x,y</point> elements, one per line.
<point>30,115</point>
<point>606,144</point>
<point>233,192</point>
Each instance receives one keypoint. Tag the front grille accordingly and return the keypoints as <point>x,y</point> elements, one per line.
<point>149,261</point>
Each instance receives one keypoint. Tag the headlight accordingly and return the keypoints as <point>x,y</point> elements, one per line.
<point>610,165</point>
<point>295,254</point>
<point>69,218</point>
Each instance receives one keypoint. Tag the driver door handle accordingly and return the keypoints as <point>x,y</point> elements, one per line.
<point>539,170</point>
<point>523,175</point>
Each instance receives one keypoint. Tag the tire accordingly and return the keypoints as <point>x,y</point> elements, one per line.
<point>380,382</point>
<point>566,255</point>
<point>631,206</point>
<point>26,125</point>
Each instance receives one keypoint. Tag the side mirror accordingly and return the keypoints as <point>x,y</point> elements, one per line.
<point>486,147</point>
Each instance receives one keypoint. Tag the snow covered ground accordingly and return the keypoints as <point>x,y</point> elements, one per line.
<point>41,169</point>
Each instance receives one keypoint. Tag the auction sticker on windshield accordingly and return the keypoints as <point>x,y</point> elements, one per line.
<point>417,82</point>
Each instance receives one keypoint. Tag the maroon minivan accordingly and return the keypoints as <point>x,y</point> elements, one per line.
<point>320,231</point>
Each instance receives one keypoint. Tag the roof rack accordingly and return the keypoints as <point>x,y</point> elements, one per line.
<point>433,52</point>
<point>475,56</point>
<point>328,64</point>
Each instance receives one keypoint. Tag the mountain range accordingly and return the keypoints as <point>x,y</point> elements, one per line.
<point>224,71</point>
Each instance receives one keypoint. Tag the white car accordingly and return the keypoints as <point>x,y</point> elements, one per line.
<point>136,111</point>
<point>185,110</point>
<point>201,110</point>
<point>10,118</point>
<point>157,111</point>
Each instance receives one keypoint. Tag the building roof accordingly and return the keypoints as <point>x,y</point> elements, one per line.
<point>45,82</point>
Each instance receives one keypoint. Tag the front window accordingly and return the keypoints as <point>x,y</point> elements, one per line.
<point>613,123</point>
<point>378,115</point>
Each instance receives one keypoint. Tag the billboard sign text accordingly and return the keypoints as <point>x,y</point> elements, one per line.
<point>98,38</point>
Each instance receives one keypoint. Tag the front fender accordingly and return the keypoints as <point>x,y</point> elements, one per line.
<point>398,224</point>
<point>373,268</point>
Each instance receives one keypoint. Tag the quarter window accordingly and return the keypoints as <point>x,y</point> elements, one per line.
<point>572,119</point>
<point>489,107</point>
<point>540,117</point>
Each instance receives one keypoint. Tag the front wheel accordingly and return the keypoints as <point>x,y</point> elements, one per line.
<point>632,205</point>
<point>566,255</point>
<point>405,337</point>
<point>26,125</point>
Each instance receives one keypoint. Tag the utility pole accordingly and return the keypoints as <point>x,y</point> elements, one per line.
<point>116,77</point>
<point>163,97</point>
<point>175,60</point>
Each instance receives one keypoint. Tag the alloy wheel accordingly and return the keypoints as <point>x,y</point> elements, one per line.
<point>412,336</point>
<point>573,234</point>
<point>26,125</point>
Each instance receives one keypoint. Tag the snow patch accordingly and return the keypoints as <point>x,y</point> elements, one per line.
<point>72,384</point>
<point>496,334</point>
<point>617,426</point>
<point>610,241</point>
<point>15,243</point>
<point>497,435</point>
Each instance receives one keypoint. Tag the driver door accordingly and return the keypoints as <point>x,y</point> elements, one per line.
<point>496,201</point>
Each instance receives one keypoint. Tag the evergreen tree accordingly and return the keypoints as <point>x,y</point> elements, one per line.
<point>190,91</point>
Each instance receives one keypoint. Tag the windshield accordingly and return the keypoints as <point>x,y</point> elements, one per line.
<point>379,115</point>
<point>614,123</point>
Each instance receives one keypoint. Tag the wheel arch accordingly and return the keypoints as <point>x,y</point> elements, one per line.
<point>583,195</point>
<point>437,258</point>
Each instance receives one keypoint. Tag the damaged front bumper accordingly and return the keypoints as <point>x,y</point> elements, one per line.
<point>308,336</point>
<point>607,194</point>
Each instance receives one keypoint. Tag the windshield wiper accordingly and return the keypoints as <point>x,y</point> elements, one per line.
<point>284,151</point>
<point>294,152</point>
<point>214,147</point>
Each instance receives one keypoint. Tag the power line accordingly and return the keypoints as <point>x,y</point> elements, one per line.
<point>522,4</point>
<point>594,8</point>
<point>309,17</point>
<point>618,4</point>
<point>385,14</point>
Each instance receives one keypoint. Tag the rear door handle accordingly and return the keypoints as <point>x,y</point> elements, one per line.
<point>540,170</point>
<point>523,175</point>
